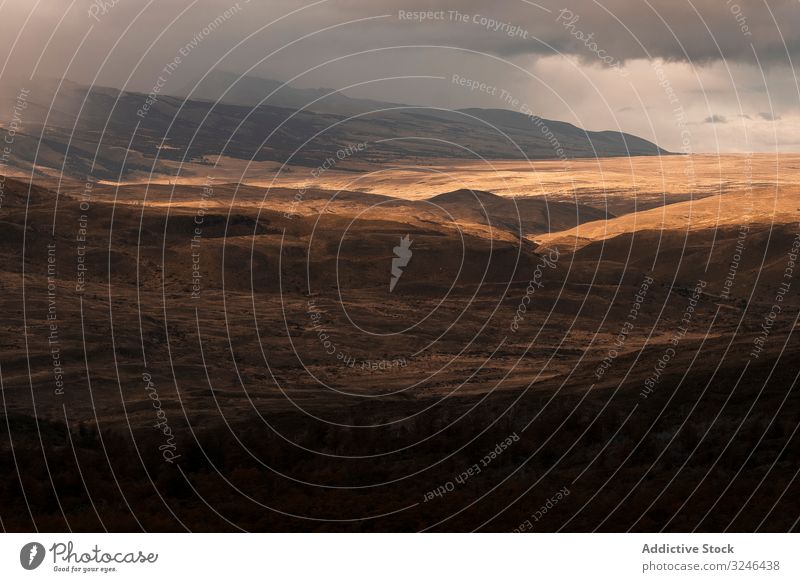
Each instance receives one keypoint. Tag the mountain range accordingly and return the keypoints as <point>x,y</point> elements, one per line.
<point>107,134</point>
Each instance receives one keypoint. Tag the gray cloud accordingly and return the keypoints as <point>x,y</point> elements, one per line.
<point>700,31</point>
<point>676,30</point>
<point>716,119</point>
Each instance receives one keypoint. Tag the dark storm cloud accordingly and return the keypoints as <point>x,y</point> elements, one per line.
<point>767,116</point>
<point>716,119</point>
<point>699,31</point>
<point>675,30</point>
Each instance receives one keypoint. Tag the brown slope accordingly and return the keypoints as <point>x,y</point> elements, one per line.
<point>760,207</point>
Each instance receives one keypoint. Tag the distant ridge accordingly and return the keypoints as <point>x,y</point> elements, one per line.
<point>90,131</point>
<point>250,91</point>
<point>569,135</point>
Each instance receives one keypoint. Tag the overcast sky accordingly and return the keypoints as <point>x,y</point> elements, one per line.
<point>701,76</point>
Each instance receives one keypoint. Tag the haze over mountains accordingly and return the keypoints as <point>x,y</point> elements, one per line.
<point>250,91</point>
<point>107,134</point>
